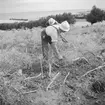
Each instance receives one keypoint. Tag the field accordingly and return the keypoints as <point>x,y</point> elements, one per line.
<point>82,67</point>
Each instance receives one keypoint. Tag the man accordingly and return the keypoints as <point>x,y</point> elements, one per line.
<point>49,36</point>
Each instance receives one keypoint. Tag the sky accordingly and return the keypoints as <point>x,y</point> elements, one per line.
<point>10,6</point>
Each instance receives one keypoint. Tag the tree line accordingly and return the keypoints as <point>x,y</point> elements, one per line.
<point>40,22</point>
<point>95,15</point>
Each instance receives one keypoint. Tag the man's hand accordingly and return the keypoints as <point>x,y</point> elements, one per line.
<point>64,40</point>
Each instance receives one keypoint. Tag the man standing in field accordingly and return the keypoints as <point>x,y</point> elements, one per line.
<point>49,36</point>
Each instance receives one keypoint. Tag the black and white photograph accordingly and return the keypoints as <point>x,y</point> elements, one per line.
<point>52,52</point>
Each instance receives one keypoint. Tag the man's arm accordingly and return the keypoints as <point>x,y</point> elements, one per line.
<point>55,49</point>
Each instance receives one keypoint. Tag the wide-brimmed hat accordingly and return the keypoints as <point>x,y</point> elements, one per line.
<point>52,21</point>
<point>64,26</point>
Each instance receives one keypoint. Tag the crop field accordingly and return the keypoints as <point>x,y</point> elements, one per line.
<point>79,79</point>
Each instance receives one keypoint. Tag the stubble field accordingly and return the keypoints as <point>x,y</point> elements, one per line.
<point>81,69</point>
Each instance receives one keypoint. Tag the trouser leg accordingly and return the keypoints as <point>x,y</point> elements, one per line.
<point>45,48</point>
<point>45,53</point>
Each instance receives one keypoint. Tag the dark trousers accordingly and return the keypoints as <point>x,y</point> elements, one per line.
<point>46,40</point>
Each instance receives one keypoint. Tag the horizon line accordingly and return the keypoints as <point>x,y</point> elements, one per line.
<point>48,10</point>
<point>44,11</point>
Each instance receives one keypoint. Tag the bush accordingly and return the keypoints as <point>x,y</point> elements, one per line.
<point>95,15</point>
<point>98,87</point>
<point>41,22</point>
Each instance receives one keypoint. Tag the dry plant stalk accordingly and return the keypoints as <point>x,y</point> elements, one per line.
<point>80,58</point>
<point>32,77</point>
<point>30,92</point>
<point>66,78</point>
<point>52,80</point>
<point>50,69</point>
<point>90,71</point>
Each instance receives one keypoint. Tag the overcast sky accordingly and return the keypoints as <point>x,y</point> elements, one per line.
<point>7,6</point>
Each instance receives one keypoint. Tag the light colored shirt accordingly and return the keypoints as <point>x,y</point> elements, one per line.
<point>53,32</point>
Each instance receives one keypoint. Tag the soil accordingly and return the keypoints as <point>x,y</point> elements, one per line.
<point>72,91</point>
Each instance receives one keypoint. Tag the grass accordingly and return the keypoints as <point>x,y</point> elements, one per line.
<point>21,49</point>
